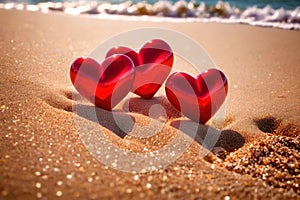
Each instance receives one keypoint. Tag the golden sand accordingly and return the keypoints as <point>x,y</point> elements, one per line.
<point>43,157</point>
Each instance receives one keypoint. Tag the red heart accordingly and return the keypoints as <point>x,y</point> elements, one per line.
<point>106,84</point>
<point>200,98</point>
<point>153,64</point>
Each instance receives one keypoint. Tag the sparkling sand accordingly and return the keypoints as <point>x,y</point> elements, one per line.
<point>42,156</point>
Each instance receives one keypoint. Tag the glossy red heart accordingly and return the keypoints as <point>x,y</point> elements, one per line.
<point>153,64</point>
<point>197,98</point>
<point>106,84</point>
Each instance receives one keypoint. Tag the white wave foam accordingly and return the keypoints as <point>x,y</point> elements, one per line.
<point>181,11</point>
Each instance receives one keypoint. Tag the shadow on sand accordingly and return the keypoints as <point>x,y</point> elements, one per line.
<point>207,136</point>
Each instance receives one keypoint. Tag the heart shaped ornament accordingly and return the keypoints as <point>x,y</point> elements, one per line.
<point>153,64</point>
<point>197,98</point>
<point>106,84</point>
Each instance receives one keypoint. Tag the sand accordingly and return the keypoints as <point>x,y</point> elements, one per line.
<point>42,155</point>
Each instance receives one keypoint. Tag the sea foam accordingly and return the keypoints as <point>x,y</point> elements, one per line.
<point>181,11</point>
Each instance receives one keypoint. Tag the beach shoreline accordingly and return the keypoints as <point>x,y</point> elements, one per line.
<point>175,12</point>
<point>42,155</point>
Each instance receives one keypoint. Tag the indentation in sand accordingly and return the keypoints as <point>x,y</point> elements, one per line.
<point>60,100</point>
<point>267,124</point>
<point>72,95</point>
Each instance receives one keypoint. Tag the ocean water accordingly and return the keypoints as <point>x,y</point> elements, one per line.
<point>242,4</point>
<point>283,14</point>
